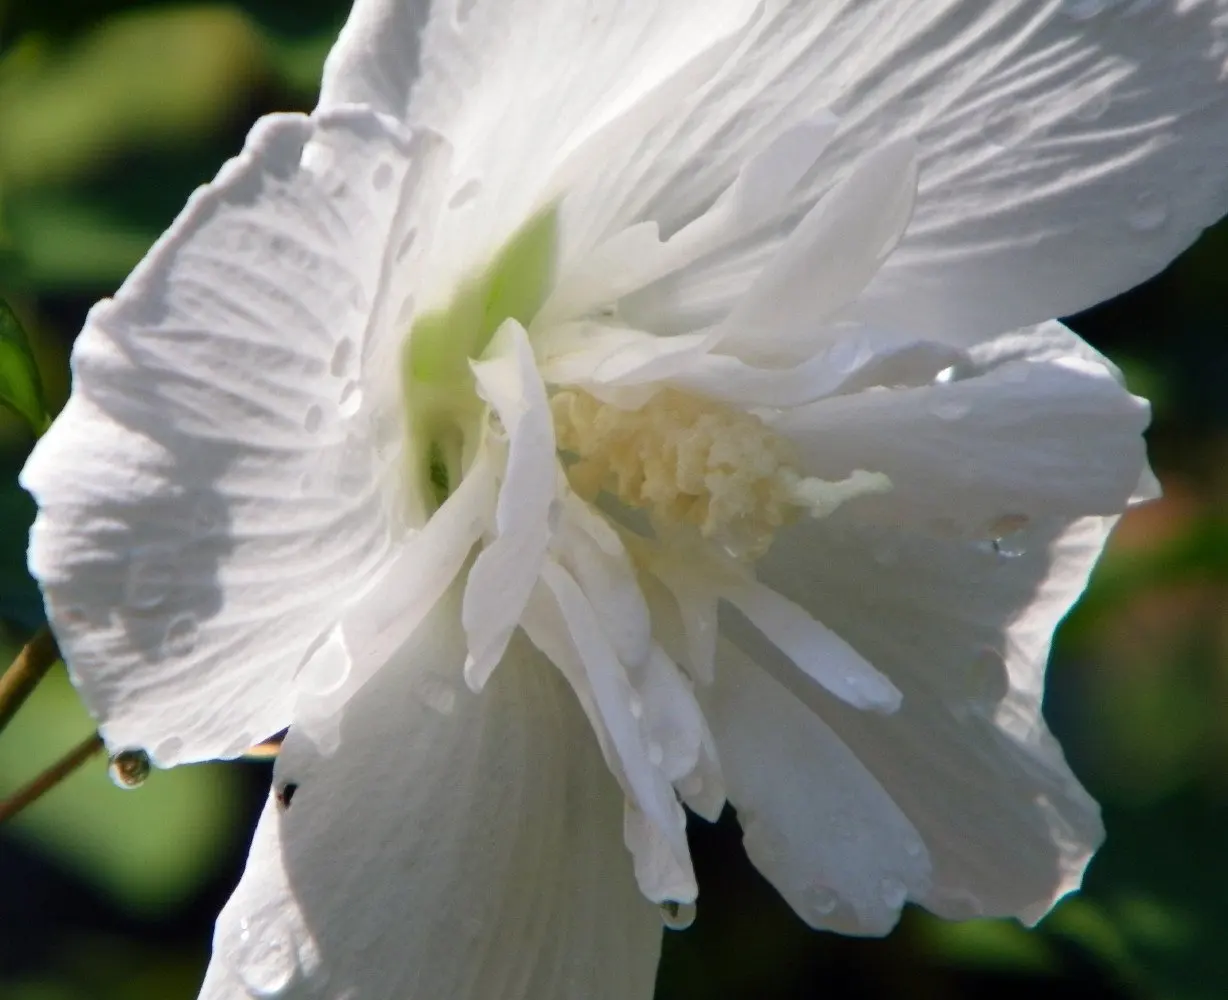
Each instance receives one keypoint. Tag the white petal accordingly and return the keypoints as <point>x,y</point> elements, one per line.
<point>826,261</point>
<point>214,489</point>
<point>613,697</point>
<point>965,635</point>
<point>1020,440</point>
<point>816,650</point>
<point>1063,160</point>
<point>675,723</point>
<point>505,572</point>
<point>456,845</point>
<point>816,823</point>
<point>516,86</point>
<point>593,554</point>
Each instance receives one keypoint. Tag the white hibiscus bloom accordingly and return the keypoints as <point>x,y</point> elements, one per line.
<point>439,425</point>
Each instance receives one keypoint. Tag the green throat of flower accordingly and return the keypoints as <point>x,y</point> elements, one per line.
<point>444,411</point>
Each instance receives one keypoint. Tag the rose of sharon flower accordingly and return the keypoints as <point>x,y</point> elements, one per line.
<point>438,427</point>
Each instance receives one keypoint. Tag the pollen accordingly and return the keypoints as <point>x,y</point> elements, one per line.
<point>685,460</point>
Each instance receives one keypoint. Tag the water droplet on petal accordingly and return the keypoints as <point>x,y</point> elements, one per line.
<point>655,754</point>
<point>325,667</point>
<point>129,768</point>
<point>893,892</point>
<point>149,576</point>
<point>437,694</point>
<point>267,956</point>
<point>313,418</point>
<point>678,916</point>
<point>1148,212</point>
<point>636,706</point>
<point>1010,546</point>
<point>182,632</point>
<point>464,194</point>
<point>1007,124</point>
<point>351,400</point>
<point>407,243</point>
<point>951,408</point>
<point>987,680</point>
<point>405,313</point>
<point>819,901</point>
<point>208,514</point>
<point>343,358</point>
<point>913,848</point>
<point>1094,107</point>
<point>382,177</point>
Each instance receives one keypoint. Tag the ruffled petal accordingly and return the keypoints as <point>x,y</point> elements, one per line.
<point>816,822</point>
<point>215,487</point>
<point>505,572</point>
<point>455,845</point>
<point>1063,159</point>
<point>964,633</point>
<point>1018,433</point>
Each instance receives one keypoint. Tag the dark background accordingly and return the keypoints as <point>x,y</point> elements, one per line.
<point>110,113</point>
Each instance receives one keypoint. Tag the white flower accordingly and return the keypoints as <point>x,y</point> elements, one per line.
<point>386,441</point>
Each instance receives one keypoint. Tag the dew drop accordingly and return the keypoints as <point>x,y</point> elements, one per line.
<point>464,194</point>
<point>313,418</point>
<point>437,694</point>
<point>407,243</point>
<point>1083,10</point>
<point>382,177</point>
<point>819,901</point>
<point>208,515</point>
<point>1094,107</point>
<point>181,635</point>
<point>129,769</point>
<point>267,958</point>
<point>1010,546</point>
<point>1148,212</point>
<point>913,848</point>
<point>325,667</point>
<point>655,754</point>
<point>1007,124</point>
<point>951,409</point>
<point>893,892</point>
<point>678,916</point>
<point>149,576</point>
<point>343,358</point>
<point>987,679</point>
<point>351,400</point>
<point>636,706</point>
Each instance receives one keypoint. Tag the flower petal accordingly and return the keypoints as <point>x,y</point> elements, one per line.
<point>816,650</point>
<point>668,875</point>
<point>456,845</point>
<point>1063,159</point>
<point>505,572</point>
<point>1015,439</point>
<point>214,488</point>
<point>816,823</point>
<point>965,635</point>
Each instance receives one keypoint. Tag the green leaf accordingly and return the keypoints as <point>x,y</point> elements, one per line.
<point>20,384</point>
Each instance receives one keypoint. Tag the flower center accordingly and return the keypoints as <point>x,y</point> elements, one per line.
<point>444,411</point>
<point>691,461</point>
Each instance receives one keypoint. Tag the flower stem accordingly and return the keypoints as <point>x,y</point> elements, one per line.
<point>51,777</point>
<point>32,663</point>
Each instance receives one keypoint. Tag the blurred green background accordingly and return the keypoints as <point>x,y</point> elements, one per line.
<point>110,114</point>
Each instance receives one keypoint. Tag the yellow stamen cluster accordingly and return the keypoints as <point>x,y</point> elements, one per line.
<point>691,461</point>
